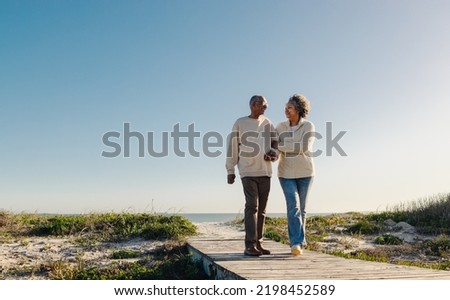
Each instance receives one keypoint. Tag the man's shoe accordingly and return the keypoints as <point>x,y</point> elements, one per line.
<point>252,251</point>
<point>262,249</point>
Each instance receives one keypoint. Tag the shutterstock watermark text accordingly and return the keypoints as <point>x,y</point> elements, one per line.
<point>183,143</point>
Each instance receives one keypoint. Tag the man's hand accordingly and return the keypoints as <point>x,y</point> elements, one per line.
<point>271,155</point>
<point>231,178</point>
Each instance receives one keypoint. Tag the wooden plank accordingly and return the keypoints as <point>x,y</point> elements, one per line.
<point>224,259</point>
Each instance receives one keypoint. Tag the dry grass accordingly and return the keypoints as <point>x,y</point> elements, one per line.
<point>366,236</point>
<point>96,246</point>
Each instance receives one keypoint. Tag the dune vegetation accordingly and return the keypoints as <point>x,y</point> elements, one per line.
<point>428,243</point>
<point>100,233</point>
<point>152,246</point>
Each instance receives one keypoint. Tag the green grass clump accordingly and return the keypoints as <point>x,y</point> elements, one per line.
<point>439,247</point>
<point>174,227</point>
<point>364,227</point>
<point>388,239</point>
<point>58,225</point>
<point>123,254</point>
<point>444,266</point>
<point>359,255</point>
<point>107,226</point>
<point>274,235</point>
<point>276,230</point>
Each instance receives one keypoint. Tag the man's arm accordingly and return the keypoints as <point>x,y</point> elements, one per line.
<point>273,153</point>
<point>232,153</point>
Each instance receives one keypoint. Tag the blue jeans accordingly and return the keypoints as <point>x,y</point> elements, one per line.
<point>296,193</point>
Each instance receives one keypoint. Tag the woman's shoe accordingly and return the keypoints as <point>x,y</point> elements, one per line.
<point>296,250</point>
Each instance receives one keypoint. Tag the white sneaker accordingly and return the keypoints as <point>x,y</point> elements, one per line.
<point>296,250</point>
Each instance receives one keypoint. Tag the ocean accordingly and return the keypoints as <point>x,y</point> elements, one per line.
<point>218,217</point>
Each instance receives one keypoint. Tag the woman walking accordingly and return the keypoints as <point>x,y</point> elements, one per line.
<point>296,167</point>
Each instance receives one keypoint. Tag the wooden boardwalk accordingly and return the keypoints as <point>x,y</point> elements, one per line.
<point>222,257</point>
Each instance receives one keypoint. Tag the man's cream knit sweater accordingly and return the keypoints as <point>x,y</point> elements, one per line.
<point>249,140</point>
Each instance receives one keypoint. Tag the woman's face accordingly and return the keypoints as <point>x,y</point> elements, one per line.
<point>290,111</point>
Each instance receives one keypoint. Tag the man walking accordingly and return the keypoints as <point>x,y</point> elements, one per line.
<point>251,147</point>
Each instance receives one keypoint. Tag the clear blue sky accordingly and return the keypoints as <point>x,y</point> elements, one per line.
<point>70,71</point>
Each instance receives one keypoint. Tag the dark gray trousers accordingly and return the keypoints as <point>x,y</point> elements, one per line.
<point>256,191</point>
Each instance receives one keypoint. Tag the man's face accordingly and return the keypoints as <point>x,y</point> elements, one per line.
<point>260,107</point>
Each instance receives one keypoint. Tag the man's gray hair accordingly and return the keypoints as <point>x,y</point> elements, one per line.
<point>256,98</point>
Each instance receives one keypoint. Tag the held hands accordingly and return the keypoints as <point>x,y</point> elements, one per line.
<point>231,178</point>
<point>271,155</point>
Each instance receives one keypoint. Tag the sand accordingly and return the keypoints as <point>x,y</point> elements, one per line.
<point>38,253</point>
<point>25,258</point>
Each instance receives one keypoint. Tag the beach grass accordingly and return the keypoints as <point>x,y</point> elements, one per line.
<point>169,261</point>
<point>430,216</point>
<point>106,226</point>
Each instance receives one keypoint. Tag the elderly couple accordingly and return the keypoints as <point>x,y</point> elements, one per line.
<point>253,145</point>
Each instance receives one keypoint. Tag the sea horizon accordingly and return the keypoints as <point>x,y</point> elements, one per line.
<point>226,217</point>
